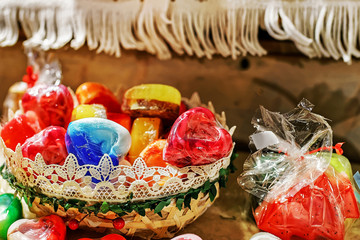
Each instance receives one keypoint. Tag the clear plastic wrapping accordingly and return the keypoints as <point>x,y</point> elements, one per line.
<point>45,65</point>
<point>304,190</point>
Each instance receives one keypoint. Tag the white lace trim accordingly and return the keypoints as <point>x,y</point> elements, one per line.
<point>106,182</point>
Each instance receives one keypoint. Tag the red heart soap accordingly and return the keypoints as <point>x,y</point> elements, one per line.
<point>20,128</point>
<point>52,103</point>
<point>50,142</point>
<point>317,211</point>
<point>197,138</point>
<point>96,93</point>
<point>46,228</point>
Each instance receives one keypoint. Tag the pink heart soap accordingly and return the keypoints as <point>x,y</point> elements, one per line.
<point>197,138</point>
<point>53,104</point>
<point>50,142</point>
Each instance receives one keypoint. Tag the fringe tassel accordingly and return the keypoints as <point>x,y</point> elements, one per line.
<point>326,29</point>
<point>192,27</point>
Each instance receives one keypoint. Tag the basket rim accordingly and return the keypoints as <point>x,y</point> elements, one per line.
<point>182,199</point>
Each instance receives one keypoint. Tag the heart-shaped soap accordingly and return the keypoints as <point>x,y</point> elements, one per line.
<point>52,103</point>
<point>51,227</point>
<point>90,138</point>
<point>50,142</point>
<point>197,138</point>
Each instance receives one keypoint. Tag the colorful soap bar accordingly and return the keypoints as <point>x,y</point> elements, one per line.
<point>143,132</point>
<point>90,138</point>
<point>88,110</point>
<point>96,93</point>
<point>51,227</point>
<point>153,154</point>
<point>10,211</point>
<point>121,118</point>
<point>52,103</point>
<point>196,138</point>
<point>20,128</point>
<point>152,100</point>
<point>50,142</point>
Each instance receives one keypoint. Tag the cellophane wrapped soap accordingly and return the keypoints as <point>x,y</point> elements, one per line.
<point>53,104</point>
<point>304,191</point>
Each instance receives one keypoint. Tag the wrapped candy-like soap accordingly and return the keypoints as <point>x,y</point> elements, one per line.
<point>20,128</point>
<point>96,93</point>
<point>143,132</point>
<point>50,142</point>
<point>51,227</point>
<point>88,110</point>
<point>10,211</point>
<point>197,138</point>
<point>52,103</point>
<point>152,100</point>
<point>90,138</point>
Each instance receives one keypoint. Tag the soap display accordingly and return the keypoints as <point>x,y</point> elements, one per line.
<point>53,104</point>
<point>110,165</point>
<point>90,138</point>
<point>196,138</point>
<point>88,110</point>
<point>303,189</point>
<point>51,227</point>
<point>50,143</point>
<point>152,100</point>
<point>20,128</point>
<point>96,93</point>
<point>10,211</point>
<point>143,132</point>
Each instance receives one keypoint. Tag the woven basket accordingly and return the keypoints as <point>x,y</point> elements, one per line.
<point>150,226</point>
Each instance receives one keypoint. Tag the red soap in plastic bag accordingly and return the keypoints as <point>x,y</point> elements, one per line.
<point>304,191</point>
<point>52,103</point>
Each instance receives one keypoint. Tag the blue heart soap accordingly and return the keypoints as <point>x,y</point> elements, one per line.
<point>90,138</point>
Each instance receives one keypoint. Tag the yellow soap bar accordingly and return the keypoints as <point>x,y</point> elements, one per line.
<point>152,100</point>
<point>88,110</point>
<point>143,132</point>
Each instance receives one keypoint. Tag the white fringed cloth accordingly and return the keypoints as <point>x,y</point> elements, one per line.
<point>319,28</point>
